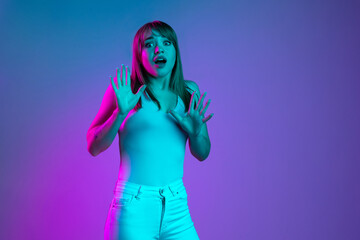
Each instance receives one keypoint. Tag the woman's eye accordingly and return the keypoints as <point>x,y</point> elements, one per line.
<point>150,44</point>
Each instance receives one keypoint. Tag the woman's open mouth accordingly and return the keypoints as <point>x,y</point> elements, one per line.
<point>160,61</point>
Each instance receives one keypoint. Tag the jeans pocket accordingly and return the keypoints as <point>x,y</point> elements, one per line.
<point>124,200</point>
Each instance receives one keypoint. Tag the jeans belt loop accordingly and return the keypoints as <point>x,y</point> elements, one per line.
<point>138,193</point>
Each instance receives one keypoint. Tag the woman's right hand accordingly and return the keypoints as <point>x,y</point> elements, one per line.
<point>125,98</point>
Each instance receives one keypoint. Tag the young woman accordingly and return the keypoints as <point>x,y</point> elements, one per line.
<point>154,111</point>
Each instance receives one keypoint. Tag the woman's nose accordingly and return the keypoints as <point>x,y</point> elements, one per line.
<point>158,49</point>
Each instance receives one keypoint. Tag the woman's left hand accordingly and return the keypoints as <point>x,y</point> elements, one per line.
<point>194,118</point>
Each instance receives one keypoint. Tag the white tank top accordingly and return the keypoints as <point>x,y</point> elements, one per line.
<point>152,145</point>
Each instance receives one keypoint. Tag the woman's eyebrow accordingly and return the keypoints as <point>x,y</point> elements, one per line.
<point>151,37</point>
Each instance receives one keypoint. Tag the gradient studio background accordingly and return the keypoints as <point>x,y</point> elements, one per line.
<point>283,77</point>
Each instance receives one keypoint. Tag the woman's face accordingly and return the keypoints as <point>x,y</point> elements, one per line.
<point>158,55</point>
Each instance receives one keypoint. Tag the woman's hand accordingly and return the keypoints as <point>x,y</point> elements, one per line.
<point>194,118</point>
<point>125,98</point>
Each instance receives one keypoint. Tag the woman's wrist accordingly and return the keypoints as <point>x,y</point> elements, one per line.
<point>117,113</point>
<point>194,135</point>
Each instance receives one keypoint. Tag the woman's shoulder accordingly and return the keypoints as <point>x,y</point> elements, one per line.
<point>192,85</point>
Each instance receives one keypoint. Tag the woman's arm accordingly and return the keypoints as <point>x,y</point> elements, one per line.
<point>105,126</point>
<point>199,145</point>
<point>118,101</point>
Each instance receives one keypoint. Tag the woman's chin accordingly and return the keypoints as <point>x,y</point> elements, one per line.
<point>160,73</point>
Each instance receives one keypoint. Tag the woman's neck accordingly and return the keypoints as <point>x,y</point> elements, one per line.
<point>160,83</point>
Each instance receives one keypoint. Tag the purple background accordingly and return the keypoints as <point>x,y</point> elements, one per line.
<point>283,77</point>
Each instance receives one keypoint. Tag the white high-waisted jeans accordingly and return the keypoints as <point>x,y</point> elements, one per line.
<point>149,212</point>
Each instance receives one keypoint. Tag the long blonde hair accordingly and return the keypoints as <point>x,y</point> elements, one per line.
<point>139,74</point>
